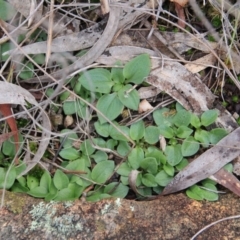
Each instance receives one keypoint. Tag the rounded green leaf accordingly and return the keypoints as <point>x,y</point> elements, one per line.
<point>174,154</point>
<point>182,118</point>
<point>102,129</point>
<point>60,180</point>
<point>102,171</point>
<point>124,169</point>
<point>163,179</point>
<point>183,132</point>
<point>137,69</point>
<point>195,121</point>
<point>166,131</point>
<point>217,134</point>
<point>32,182</point>
<point>99,156</point>
<point>77,165</point>
<point>97,80</point>
<point>190,146</point>
<point>87,147</point>
<point>38,192</point>
<point>129,98</point>
<point>117,75</point>
<point>65,194</point>
<point>69,138</point>
<point>169,169</point>
<point>110,106</point>
<point>137,130</point>
<point>209,117</point>
<point>7,177</point>
<point>45,180</point>
<point>69,153</point>
<point>203,137</point>
<point>70,107</point>
<point>156,153</point>
<point>7,11</point>
<point>135,157</point>
<point>123,148</point>
<point>148,180</point>
<point>163,116</point>
<point>151,134</point>
<point>149,164</point>
<point>117,135</point>
<point>195,192</point>
<point>116,190</point>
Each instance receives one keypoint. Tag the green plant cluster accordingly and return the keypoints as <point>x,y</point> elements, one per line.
<point>87,170</point>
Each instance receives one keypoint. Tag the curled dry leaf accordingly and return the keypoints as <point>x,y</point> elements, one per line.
<point>144,106</point>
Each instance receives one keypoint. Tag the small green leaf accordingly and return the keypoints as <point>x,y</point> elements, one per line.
<point>163,179</point>
<point>183,132</point>
<point>123,148</point>
<point>102,171</point>
<point>99,156</point>
<point>195,121</point>
<point>27,71</point>
<point>148,180</point>
<point>116,190</point>
<point>203,137</point>
<point>163,116</point>
<point>76,165</point>
<point>190,146</point>
<point>97,197</point>
<point>97,80</point>
<point>157,154</point>
<point>229,167</point>
<point>60,180</point>
<point>87,148</point>
<point>217,134</point>
<point>135,157</point>
<point>4,48</point>
<point>45,180</point>
<point>149,164</point>
<point>102,129</point>
<point>129,98</point>
<point>110,106</point>
<point>32,182</point>
<point>166,131</point>
<point>182,164</point>
<point>169,169</point>
<point>124,169</point>
<point>151,134</point>
<point>117,135</point>
<point>69,153</point>
<point>137,130</point>
<point>174,154</point>
<point>7,177</point>
<point>195,192</point>
<point>38,192</point>
<point>7,11</point>
<point>209,117</point>
<point>117,75</point>
<point>65,194</point>
<point>208,194</point>
<point>137,69</point>
<point>39,58</point>
<point>111,143</point>
<point>182,118</point>
<point>8,147</point>
<point>70,107</point>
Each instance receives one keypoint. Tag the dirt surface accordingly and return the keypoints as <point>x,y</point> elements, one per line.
<point>171,217</point>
